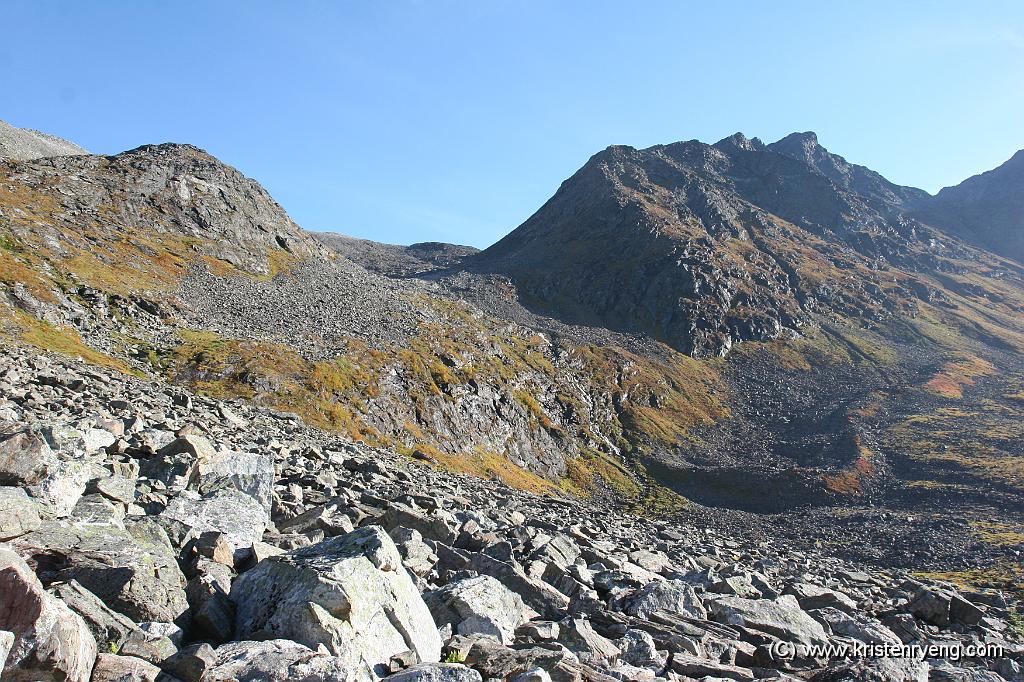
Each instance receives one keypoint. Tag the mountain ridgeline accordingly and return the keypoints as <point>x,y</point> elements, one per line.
<point>735,325</point>
<point>710,406</point>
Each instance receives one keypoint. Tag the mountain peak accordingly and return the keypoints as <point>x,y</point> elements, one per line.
<point>741,141</point>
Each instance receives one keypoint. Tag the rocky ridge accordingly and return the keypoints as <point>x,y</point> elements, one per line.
<point>22,144</point>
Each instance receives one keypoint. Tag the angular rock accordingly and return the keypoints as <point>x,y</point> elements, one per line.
<point>416,554</point>
<point>133,570</point>
<point>694,667</point>
<point>876,670</point>
<point>670,596</point>
<point>579,637</point>
<point>248,472</point>
<point>780,617</point>
<point>478,606</point>
<point>815,597</point>
<point>19,514</point>
<point>25,456</point>
<point>349,593</point>
<point>638,648</point>
<point>112,668</point>
<point>439,525</point>
<point>931,606</point>
<point>537,594</point>
<point>238,516</point>
<point>496,661</point>
<point>192,663</point>
<point>51,641</point>
<point>111,630</point>
<point>279,660</point>
<point>6,644</point>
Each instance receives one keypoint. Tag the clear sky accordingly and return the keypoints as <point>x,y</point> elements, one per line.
<point>408,121</point>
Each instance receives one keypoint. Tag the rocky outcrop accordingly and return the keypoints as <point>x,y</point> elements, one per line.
<point>350,594</point>
<point>169,189</point>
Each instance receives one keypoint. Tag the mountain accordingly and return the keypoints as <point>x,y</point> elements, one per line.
<point>22,144</point>
<point>702,246</point>
<point>986,209</point>
<point>709,406</point>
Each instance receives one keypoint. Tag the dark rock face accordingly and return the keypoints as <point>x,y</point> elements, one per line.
<point>702,245</point>
<point>851,177</point>
<point>986,209</point>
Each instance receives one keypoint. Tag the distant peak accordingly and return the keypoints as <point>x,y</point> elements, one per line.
<point>808,137</point>
<point>741,141</point>
<point>799,145</point>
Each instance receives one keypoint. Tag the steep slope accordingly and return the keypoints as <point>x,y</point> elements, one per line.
<point>22,144</point>
<point>986,209</point>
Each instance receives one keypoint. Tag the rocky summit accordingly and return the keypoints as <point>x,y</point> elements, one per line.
<point>733,411</point>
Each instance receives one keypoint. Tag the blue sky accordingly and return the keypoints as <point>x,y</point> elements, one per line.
<point>411,121</point>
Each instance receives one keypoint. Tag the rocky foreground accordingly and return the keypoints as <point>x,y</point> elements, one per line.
<point>148,533</point>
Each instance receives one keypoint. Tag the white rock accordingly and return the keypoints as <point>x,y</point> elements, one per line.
<point>349,593</point>
<point>478,606</point>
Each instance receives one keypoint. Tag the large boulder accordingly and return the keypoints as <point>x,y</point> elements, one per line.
<point>279,660</point>
<point>240,517</point>
<point>670,596</point>
<point>51,642</point>
<point>19,514</point>
<point>132,568</point>
<point>349,593</point>
<point>56,479</point>
<point>249,472</point>
<point>478,606</point>
<point>781,617</point>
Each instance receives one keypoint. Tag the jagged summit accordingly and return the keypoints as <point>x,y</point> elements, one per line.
<point>852,177</point>
<point>741,141</point>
